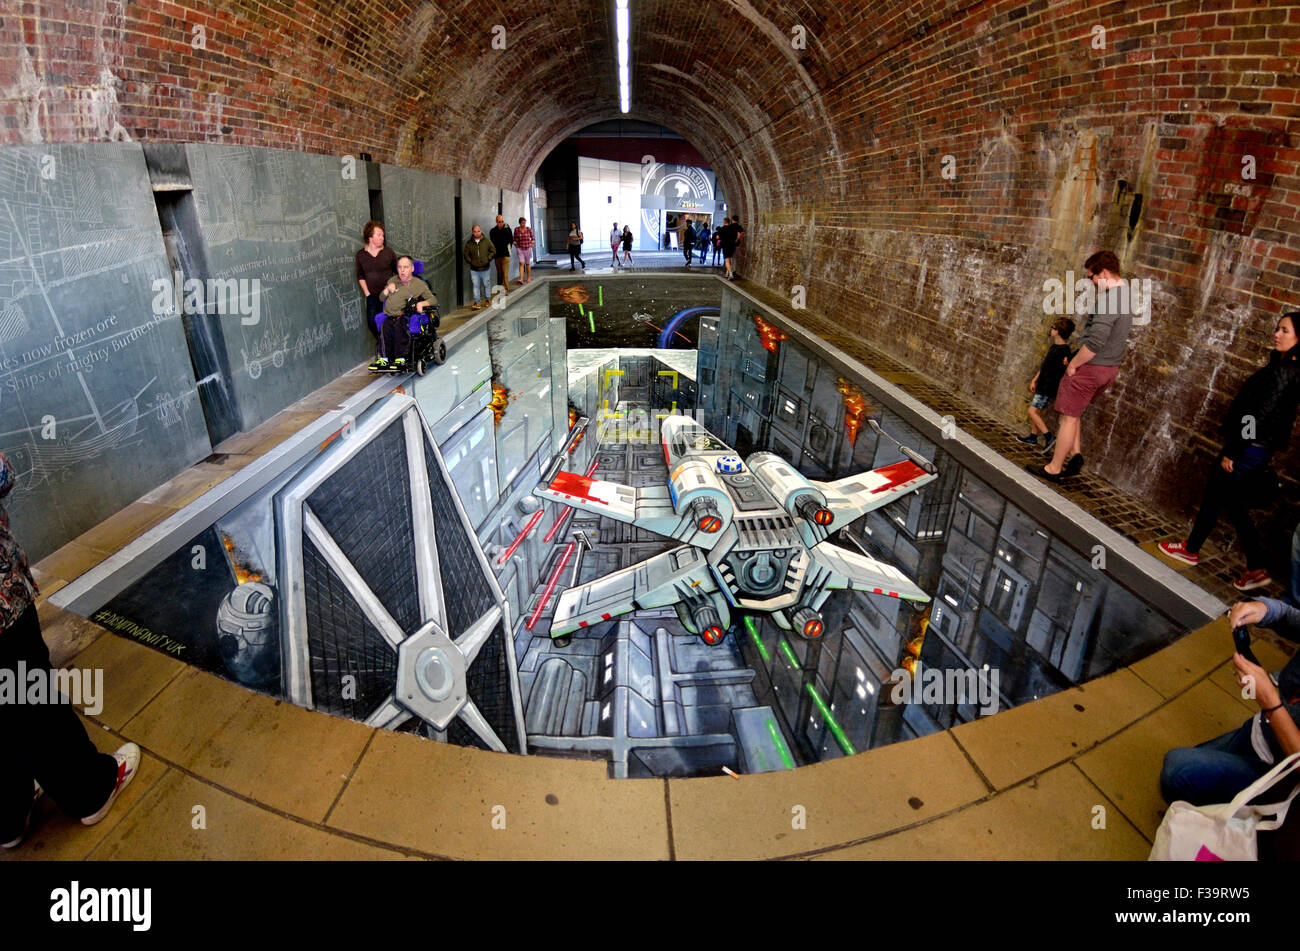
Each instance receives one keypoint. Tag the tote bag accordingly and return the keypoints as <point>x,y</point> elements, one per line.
<point>1224,833</point>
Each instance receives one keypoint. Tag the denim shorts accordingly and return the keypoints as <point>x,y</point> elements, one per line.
<point>1040,401</point>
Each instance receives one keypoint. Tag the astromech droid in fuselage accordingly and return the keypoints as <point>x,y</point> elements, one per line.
<point>751,536</point>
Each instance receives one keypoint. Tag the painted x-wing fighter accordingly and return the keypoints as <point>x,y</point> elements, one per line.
<point>752,535</point>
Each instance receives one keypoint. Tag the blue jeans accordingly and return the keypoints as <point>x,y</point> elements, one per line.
<point>482,283</point>
<point>1213,772</point>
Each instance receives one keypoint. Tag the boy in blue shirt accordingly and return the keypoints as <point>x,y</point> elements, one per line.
<point>1046,381</point>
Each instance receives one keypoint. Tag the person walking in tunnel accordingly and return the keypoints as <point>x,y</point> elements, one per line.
<point>627,245</point>
<point>502,238</point>
<point>375,265</point>
<point>1046,382</point>
<point>717,242</point>
<point>1257,426</point>
<point>1093,367</point>
<point>688,242</point>
<point>730,238</point>
<point>615,241</point>
<point>46,746</point>
<point>524,248</point>
<point>575,246</point>
<point>480,253</point>
<point>703,241</point>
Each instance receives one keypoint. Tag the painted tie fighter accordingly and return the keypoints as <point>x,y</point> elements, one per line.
<point>752,535</point>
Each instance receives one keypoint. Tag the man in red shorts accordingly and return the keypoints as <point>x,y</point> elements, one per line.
<point>1094,367</point>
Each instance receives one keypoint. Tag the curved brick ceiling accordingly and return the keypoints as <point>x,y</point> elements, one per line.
<point>834,154</point>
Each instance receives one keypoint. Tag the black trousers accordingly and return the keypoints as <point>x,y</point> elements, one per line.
<point>45,742</point>
<point>1232,492</point>
<point>374,307</point>
<point>575,254</point>
<point>395,337</point>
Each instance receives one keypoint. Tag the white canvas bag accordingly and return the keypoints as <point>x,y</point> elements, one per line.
<point>1223,833</point>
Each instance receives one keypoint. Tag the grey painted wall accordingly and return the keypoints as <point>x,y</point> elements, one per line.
<point>420,220</point>
<point>292,222</point>
<point>97,398</point>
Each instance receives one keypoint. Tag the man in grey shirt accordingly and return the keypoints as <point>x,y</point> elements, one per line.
<point>1094,367</point>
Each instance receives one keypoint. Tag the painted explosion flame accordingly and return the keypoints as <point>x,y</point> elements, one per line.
<point>855,407</point>
<point>769,335</point>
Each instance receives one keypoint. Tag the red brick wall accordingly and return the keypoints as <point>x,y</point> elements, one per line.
<point>833,153</point>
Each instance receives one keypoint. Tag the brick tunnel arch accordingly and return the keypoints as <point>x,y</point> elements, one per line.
<point>920,167</point>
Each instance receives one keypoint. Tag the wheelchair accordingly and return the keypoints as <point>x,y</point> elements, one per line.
<point>427,348</point>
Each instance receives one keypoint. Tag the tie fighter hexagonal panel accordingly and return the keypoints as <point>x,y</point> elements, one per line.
<point>370,538</point>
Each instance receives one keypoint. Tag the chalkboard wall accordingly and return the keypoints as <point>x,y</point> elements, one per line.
<point>420,220</point>
<point>97,397</point>
<point>292,223</point>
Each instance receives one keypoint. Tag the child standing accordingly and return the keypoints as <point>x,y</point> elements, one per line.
<point>1045,382</point>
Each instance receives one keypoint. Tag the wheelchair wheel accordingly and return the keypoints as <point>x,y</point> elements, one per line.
<point>438,353</point>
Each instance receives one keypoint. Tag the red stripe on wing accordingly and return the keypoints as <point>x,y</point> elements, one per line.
<point>574,485</point>
<point>897,474</point>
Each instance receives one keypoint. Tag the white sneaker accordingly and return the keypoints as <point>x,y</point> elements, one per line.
<point>128,761</point>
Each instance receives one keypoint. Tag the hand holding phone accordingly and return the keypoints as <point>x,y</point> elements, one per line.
<point>1241,640</point>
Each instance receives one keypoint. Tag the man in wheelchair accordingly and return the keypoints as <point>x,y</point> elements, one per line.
<point>404,296</point>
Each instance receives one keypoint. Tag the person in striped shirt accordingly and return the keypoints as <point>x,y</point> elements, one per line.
<point>524,246</point>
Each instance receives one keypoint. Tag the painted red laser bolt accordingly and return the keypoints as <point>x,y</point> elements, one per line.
<point>550,585</point>
<point>813,628</point>
<point>712,635</point>
<point>537,517</point>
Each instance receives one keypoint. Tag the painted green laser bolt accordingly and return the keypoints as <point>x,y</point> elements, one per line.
<point>780,744</point>
<point>591,321</point>
<point>840,738</point>
<point>789,653</point>
<point>758,642</point>
<point>581,311</point>
<point>600,289</point>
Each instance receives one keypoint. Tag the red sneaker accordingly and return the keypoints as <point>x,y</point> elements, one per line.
<point>1178,551</point>
<point>1253,579</point>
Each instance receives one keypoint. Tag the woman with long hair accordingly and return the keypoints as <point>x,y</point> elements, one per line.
<point>1257,426</point>
<point>375,265</point>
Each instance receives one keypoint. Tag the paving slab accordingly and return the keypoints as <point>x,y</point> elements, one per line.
<point>1022,741</point>
<point>1050,818</point>
<point>66,634</point>
<point>756,816</point>
<point>133,675</point>
<point>461,803</point>
<point>69,562</point>
<point>1126,768</point>
<point>1192,657</point>
<point>269,750</point>
<point>163,827</point>
<point>127,525</point>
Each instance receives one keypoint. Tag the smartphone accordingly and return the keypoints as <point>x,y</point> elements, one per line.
<point>1241,640</point>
